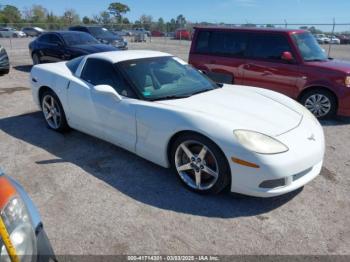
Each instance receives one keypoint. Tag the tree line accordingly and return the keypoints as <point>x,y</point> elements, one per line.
<point>114,15</point>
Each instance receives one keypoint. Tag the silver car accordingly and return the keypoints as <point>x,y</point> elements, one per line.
<point>11,32</point>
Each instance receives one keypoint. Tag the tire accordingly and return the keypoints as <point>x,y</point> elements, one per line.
<point>54,116</point>
<point>14,35</point>
<point>36,59</point>
<point>214,161</point>
<point>321,102</point>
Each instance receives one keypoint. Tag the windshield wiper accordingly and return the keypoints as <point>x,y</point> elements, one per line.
<point>170,97</point>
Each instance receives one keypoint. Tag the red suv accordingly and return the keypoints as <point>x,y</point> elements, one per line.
<point>287,61</point>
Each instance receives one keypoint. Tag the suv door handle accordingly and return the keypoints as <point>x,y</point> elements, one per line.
<point>247,66</point>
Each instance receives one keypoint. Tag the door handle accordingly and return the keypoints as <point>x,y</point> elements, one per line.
<point>247,66</point>
<point>212,62</point>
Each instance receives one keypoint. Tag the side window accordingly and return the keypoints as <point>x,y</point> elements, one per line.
<point>221,43</point>
<point>45,38</point>
<point>228,43</point>
<point>54,39</point>
<point>202,44</point>
<point>264,46</point>
<point>100,72</point>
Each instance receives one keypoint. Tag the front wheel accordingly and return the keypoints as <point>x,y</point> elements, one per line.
<point>53,112</point>
<point>200,164</point>
<point>320,102</point>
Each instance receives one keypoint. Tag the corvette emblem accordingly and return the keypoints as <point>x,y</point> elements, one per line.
<point>312,138</point>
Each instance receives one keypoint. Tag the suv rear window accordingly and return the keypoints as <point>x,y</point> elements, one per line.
<point>221,43</point>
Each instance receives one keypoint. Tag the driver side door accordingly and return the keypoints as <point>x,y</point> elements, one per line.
<point>265,68</point>
<point>116,118</point>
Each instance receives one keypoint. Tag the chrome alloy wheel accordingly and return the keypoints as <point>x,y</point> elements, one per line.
<point>318,104</point>
<point>196,165</point>
<point>51,112</point>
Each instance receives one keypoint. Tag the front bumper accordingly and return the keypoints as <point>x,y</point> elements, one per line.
<point>344,103</point>
<point>44,249</point>
<point>281,173</point>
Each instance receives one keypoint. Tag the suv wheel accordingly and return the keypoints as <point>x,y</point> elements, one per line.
<point>322,103</point>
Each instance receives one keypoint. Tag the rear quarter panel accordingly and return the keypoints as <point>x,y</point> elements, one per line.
<point>54,76</point>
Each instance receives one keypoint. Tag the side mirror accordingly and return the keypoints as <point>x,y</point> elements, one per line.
<point>108,91</point>
<point>287,56</point>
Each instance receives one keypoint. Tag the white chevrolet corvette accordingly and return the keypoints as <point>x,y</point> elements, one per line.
<point>256,141</point>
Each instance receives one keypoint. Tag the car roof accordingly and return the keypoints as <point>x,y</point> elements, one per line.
<point>64,32</point>
<point>86,26</point>
<point>251,29</point>
<point>120,56</point>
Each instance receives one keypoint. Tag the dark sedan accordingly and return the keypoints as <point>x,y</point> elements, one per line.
<point>4,62</point>
<point>103,35</point>
<point>64,45</point>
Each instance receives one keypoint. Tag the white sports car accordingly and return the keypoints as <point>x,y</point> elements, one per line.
<point>255,141</point>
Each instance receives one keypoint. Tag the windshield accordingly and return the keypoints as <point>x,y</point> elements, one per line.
<point>309,48</point>
<point>100,32</point>
<point>165,78</point>
<point>72,39</point>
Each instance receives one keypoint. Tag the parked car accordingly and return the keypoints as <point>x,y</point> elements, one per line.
<point>287,61</point>
<point>4,62</point>
<point>157,33</point>
<point>64,45</point>
<point>22,234</point>
<point>141,31</point>
<point>322,39</point>
<point>32,31</point>
<point>170,34</point>
<point>256,141</point>
<point>10,32</point>
<point>103,35</point>
<point>334,40</point>
<point>344,39</point>
<point>183,34</point>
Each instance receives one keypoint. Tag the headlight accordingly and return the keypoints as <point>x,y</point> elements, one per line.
<point>347,81</point>
<point>259,143</point>
<point>18,224</point>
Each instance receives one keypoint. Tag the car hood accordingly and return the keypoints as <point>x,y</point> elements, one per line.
<point>90,49</point>
<point>244,108</point>
<point>339,65</point>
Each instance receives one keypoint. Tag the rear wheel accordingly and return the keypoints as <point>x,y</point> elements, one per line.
<point>36,59</point>
<point>322,103</point>
<point>53,112</point>
<point>200,164</point>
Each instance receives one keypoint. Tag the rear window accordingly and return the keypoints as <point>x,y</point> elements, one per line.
<point>268,46</point>
<point>221,43</point>
<point>74,64</point>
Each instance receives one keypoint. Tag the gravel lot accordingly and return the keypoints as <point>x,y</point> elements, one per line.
<point>96,198</point>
